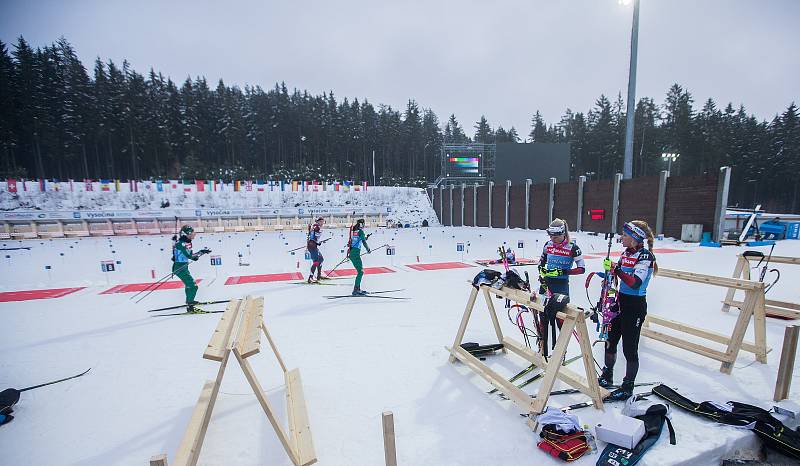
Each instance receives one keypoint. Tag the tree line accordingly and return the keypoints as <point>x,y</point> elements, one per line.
<point>59,120</point>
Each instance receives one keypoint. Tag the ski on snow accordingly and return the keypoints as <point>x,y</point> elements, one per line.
<point>184,305</point>
<point>187,313</point>
<point>370,294</point>
<point>571,391</point>
<point>540,375</point>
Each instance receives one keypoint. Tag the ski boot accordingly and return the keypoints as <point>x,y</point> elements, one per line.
<point>311,279</point>
<point>357,291</point>
<point>624,392</point>
<point>606,379</point>
<point>194,309</point>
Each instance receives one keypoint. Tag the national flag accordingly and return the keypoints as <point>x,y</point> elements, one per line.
<point>201,185</point>
<point>364,184</point>
<point>12,185</point>
<point>248,185</point>
<point>71,188</point>
<point>89,185</point>
<point>237,185</point>
<point>159,186</point>
<point>347,186</point>
<point>42,185</point>
<point>283,185</point>
<point>336,186</point>
<point>116,185</point>
<point>294,186</point>
<point>260,184</point>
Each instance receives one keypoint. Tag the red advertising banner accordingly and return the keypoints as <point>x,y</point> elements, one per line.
<point>12,185</point>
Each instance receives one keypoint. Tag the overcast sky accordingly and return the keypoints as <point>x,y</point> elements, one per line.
<point>504,59</point>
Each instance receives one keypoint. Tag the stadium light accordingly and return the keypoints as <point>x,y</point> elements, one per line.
<point>627,165</point>
<point>669,157</point>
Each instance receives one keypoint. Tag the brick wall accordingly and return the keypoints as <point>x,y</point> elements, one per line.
<point>517,208</point>
<point>597,195</point>
<point>499,205</point>
<point>689,200</point>
<point>638,200</point>
<point>566,202</point>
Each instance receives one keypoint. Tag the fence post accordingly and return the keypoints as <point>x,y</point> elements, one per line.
<point>786,366</point>
<point>508,197</point>
<point>615,202</point>
<point>723,187</point>
<point>551,200</point>
<point>389,448</point>
<point>662,199</point>
<point>463,187</point>
<point>475,205</point>
<point>527,203</point>
<point>451,204</point>
<point>491,188</point>
<point>579,221</point>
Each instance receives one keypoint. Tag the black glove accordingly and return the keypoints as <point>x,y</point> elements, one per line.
<point>205,251</point>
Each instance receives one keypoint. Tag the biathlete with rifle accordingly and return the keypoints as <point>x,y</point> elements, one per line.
<point>181,255</point>
<point>558,256</point>
<point>357,239</point>
<point>636,266</point>
<point>314,236</point>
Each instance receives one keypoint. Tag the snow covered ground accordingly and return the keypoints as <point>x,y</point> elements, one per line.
<point>357,357</point>
<point>404,204</point>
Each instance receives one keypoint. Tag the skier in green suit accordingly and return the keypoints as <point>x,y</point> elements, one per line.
<point>357,239</point>
<point>181,255</point>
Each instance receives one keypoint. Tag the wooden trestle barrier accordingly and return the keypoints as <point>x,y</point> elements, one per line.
<point>752,307</point>
<point>574,319</point>
<point>238,332</point>
<point>778,308</point>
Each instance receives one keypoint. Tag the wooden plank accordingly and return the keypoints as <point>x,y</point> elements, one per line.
<point>771,309</point>
<point>588,362</point>
<point>389,449</point>
<point>739,330</point>
<point>464,320</point>
<point>219,339</point>
<point>565,374</point>
<point>687,345</point>
<point>522,399</point>
<point>708,279</point>
<point>696,331</point>
<point>786,367</point>
<point>778,260</point>
<point>267,407</point>
<point>553,366</point>
<point>274,348</point>
<point>248,341</point>
<point>741,263</point>
<point>759,328</point>
<point>299,427</point>
<point>493,316</point>
<point>158,460</point>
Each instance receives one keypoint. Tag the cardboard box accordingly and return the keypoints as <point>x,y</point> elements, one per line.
<point>623,431</point>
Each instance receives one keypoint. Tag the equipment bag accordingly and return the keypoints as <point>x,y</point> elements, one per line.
<point>567,447</point>
<point>485,277</point>
<point>772,431</point>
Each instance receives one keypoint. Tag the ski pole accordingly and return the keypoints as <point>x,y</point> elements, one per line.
<point>303,247</point>
<point>329,272</point>
<point>200,254</point>
<point>156,283</point>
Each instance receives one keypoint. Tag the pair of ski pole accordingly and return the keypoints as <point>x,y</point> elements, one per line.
<point>347,258</point>
<point>157,284</point>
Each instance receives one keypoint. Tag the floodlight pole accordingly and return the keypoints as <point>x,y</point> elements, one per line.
<point>627,166</point>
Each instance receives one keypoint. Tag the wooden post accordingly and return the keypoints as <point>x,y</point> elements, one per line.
<point>528,203</point>
<point>579,220</point>
<point>158,460</point>
<point>741,264</point>
<point>389,450</point>
<point>463,327</point>
<point>786,366</point>
<point>551,199</point>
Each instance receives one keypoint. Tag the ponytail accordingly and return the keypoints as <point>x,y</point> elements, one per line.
<point>650,239</point>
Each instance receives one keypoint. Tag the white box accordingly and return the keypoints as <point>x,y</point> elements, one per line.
<point>623,431</point>
<point>691,232</point>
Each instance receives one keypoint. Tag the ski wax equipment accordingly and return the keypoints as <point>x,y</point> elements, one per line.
<point>773,432</point>
<point>202,303</point>
<point>10,396</point>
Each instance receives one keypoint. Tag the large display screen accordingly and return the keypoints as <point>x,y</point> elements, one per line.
<point>463,163</point>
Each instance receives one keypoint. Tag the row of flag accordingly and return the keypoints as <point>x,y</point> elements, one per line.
<point>14,185</point>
